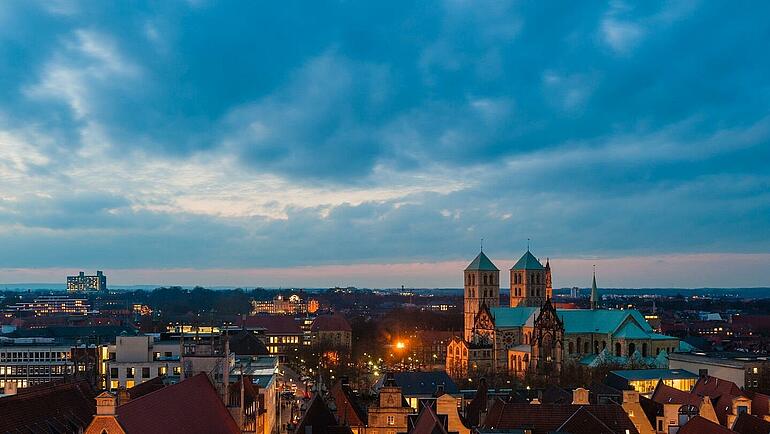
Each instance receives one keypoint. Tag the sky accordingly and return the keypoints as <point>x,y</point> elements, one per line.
<point>376,143</point>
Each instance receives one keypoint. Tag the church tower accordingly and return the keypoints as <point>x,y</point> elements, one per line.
<point>529,282</point>
<point>482,286</point>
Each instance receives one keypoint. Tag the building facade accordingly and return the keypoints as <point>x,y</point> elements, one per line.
<point>285,305</point>
<point>136,359</point>
<point>532,336</point>
<point>82,282</point>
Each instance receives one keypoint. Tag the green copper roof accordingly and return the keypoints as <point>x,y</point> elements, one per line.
<point>506,317</point>
<point>630,331</point>
<point>528,261</point>
<point>482,263</point>
<point>600,321</point>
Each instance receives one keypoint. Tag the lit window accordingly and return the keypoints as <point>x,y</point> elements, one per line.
<point>391,420</point>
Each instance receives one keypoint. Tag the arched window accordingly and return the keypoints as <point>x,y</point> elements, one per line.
<point>644,349</point>
<point>578,344</point>
<point>485,279</point>
<point>473,279</point>
<point>596,347</point>
<point>585,347</point>
<point>618,349</point>
<point>570,347</point>
<point>604,344</point>
<point>631,349</point>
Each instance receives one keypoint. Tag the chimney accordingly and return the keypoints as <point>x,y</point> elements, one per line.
<point>630,397</point>
<point>106,404</point>
<point>580,396</point>
<point>10,388</point>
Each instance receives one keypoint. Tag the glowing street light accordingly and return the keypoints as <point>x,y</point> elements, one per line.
<point>400,345</point>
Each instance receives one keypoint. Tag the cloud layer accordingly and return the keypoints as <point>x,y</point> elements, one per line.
<point>202,135</point>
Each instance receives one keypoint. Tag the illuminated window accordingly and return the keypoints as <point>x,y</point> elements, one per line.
<point>129,384</point>
<point>391,420</point>
<point>114,384</point>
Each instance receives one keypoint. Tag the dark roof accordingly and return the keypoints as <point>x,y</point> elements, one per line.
<point>273,324</point>
<point>665,394</point>
<point>477,405</point>
<point>701,425</point>
<point>721,393</point>
<point>328,323</point>
<point>246,344</point>
<point>546,418</point>
<point>584,422</point>
<point>424,383</point>
<point>481,263</point>
<point>528,261</point>
<point>750,424</point>
<point>320,419</point>
<point>107,333</point>
<point>556,395</point>
<point>191,406</point>
<point>348,411</point>
<point>427,422</point>
<point>654,374</point>
<point>49,408</point>
<point>148,386</point>
<point>651,409</point>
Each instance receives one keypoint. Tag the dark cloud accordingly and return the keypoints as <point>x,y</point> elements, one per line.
<point>594,129</point>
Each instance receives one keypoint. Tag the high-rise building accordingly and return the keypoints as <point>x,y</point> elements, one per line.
<point>81,282</point>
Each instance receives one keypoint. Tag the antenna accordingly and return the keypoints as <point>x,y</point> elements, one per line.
<point>528,240</point>
<point>482,244</point>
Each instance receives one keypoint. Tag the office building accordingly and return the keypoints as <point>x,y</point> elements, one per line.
<point>83,283</point>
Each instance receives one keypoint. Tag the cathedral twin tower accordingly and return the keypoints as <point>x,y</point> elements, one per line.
<point>530,286</point>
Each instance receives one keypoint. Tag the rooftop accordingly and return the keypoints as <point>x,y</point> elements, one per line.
<point>481,263</point>
<point>654,374</point>
<point>528,261</point>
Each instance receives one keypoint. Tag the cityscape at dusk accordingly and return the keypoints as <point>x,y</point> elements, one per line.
<point>438,217</point>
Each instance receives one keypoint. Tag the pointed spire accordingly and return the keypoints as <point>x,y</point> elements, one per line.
<point>594,292</point>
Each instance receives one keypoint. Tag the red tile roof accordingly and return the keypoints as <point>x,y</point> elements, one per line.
<point>750,424</point>
<point>273,324</point>
<point>546,418</point>
<point>721,392</point>
<point>330,323</point>
<point>148,386</point>
<point>189,407</point>
<point>665,394</point>
<point>701,425</point>
<point>347,410</point>
<point>50,408</point>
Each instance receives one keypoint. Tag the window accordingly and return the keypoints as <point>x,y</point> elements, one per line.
<point>130,372</point>
<point>114,372</point>
<point>146,372</point>
<point>162,370</point>
<point>177,370</point>
<point>743,409</point>
<point>114,384</point>
<point>391,420</point>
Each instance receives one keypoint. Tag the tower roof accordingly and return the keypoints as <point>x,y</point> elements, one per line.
<point>528,261</point>
<point>481,263</point>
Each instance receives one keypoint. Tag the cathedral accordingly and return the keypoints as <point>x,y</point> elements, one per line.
<point>532,335</point>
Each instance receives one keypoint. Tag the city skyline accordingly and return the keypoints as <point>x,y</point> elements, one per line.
<point>376,145</point>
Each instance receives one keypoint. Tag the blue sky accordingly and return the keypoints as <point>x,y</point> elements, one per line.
<point>372,143</point>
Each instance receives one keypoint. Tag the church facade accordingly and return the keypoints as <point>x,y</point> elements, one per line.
<point>531,335</point>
